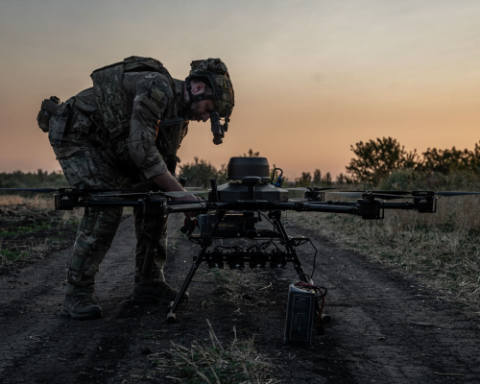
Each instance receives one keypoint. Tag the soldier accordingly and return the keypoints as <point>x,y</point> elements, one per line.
<point>124,130</point>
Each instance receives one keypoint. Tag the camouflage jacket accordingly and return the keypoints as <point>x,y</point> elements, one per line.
<point>128,121</point>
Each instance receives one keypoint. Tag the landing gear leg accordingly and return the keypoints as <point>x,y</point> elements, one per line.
<point>171,316</point>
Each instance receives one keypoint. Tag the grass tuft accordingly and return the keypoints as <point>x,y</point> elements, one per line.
<point>217,363</point>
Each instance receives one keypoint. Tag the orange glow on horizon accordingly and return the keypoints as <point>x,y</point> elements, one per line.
<point>311,78</point>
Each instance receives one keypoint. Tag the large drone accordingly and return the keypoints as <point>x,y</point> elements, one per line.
<point>232,210</point>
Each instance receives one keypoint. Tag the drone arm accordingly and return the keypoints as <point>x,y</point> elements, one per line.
<point>122,203</point>
<point>200,206</point>
<point>303,207</point>
<point>398,206</point>
<point>330,202</point>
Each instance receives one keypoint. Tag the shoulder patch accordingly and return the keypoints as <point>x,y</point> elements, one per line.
<point>157,94</point>
<point>154,107</point>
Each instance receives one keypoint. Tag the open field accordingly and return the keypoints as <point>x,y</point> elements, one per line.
<point>403,297</point>
<point>31,229</point>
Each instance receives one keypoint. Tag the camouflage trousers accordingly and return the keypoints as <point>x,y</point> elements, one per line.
<point>84,166</point>
<point>95,235</point>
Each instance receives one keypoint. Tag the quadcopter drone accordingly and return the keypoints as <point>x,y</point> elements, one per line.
<point>234,209</point>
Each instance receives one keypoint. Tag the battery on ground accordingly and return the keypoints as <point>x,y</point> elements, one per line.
<point>300,316</point>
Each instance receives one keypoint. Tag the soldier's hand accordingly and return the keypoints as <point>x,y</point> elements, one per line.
<point>193,199</point>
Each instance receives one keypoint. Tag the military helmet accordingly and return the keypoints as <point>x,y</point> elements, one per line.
<point>215,73</point>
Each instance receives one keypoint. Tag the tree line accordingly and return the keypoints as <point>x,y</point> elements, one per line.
<point>39,179</point>
<point>380,162</point>
<point>377,159</point>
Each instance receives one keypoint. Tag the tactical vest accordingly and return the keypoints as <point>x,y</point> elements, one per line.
<point>116,112</point>
<point>110,95</point>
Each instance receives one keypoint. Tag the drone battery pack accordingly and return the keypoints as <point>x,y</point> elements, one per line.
<point>300,316</point>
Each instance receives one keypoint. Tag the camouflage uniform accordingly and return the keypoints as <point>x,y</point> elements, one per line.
<point>105,137</point>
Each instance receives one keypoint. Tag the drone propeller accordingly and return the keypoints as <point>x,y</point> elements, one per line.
<point>311,189</point>
<point>455,193</point>
<point>130,192</point>
<point>354,195</point>
<point>79,190</point>
<point>298,200</point>
<point>390,195</point>
<point>162,193</point>
<point>39,190</point>
<point>183,193</point>
<point>385,192</point>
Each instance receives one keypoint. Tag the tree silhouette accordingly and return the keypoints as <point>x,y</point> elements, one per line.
<point>376,159</point>
<point>449,160</point>
<point>305,180</point>
<point>199,172</point>
<point>327,179</point>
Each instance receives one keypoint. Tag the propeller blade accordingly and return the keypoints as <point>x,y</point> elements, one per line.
<point>183,193</point>
<point>455,193</point>
<point>160,193</point>
<point>39,190</point>
<point>384,191</point>
<point>133,194</point>
<point>351,195</point>
<point>297,200</point>
<point>192,188</point>
<point>400,194</point>
<point>386,196</point>
<point>392,192</point>
<point>323,188</point>
<point>314,189</point>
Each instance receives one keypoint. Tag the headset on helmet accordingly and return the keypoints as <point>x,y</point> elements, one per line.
<point>215,72</point>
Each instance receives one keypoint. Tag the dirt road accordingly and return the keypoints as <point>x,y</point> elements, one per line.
<point>385,328</point>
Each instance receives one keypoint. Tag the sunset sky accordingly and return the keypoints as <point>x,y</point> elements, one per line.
<point>311,77</point>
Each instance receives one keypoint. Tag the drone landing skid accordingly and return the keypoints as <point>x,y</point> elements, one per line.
<point>236,259</point>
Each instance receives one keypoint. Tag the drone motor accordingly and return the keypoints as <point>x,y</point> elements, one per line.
<point>424,201</point>
<point>370,209</point>
<point>66,200</point>
<point>314,195</point>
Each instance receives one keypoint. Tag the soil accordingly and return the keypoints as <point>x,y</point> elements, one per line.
<point>28,234</point>
<point>385,328</point>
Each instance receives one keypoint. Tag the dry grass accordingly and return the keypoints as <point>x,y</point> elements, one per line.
<point>442,248</point>
<point>217,363</point>
<point>23,222</point>
<point>40,204</point>
<point>36,202</point>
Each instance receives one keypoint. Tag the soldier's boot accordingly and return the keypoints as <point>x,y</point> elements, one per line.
<point>80,304</point>
<point>159,292</point>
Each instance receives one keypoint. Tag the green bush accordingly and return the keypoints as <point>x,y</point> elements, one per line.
<point>199,172</point>
<point>39,179</point>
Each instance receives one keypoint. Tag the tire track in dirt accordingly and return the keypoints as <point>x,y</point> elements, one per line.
<point>37,343</point>
<point>390,328</point>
